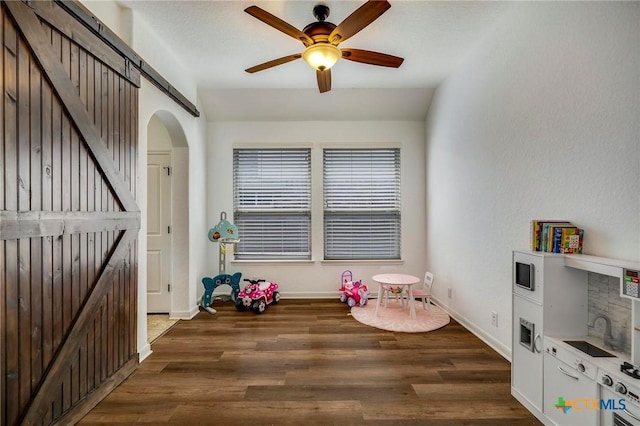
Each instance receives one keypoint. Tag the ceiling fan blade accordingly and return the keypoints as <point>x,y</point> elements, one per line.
<point>360,18</point>
<point>371,58</point>
<point>279,24</point>
<point>324,80</point>
<point>273,63</point>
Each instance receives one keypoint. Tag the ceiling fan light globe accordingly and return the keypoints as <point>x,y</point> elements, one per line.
<point>321,56</point>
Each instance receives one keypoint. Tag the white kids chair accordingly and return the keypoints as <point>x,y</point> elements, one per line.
<point>424,292</point>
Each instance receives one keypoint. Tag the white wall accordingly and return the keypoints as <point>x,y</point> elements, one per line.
<point>187,132</point>
<point>190,229</point>
<point>189,223</point>
<point>158,136</point>
<point>318,278</point>
<point>116,18</point>
<point>541,120</point>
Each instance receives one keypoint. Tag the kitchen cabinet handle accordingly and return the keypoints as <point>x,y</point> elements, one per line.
<point>631,415</point>
<point>535,343</point>
<point>566,373</point>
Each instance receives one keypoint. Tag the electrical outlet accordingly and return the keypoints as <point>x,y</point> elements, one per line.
<point>494,319</point>
<point>450,292</point>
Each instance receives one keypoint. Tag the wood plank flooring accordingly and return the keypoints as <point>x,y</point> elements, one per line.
<point>307,362</point>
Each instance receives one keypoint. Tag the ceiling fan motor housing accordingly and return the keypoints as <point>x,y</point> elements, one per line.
<point>319,31</point>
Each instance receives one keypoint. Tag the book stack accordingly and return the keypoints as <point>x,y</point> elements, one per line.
<point>556,236</point>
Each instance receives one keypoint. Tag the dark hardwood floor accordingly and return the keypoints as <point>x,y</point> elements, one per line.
<point>307,362</point>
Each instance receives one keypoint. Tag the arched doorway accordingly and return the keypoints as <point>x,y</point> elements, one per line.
<point>167,212</point>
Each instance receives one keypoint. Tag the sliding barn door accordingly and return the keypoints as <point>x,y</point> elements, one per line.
<point>68,216</point>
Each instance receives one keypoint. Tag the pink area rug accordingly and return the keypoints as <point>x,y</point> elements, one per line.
<point>394,318</point>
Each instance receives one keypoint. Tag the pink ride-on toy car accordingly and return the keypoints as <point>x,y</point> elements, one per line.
<point>257,295</point>
<point>353,292</point>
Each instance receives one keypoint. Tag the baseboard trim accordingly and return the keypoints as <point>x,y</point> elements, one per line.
<point>322,295</point>
<point>317,295</point>
<point>185,315</point>
<point>144,352</point>
<point>496,345</point>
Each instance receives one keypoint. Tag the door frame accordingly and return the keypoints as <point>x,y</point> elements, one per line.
<point>181,285</point>
<point>171,208</point>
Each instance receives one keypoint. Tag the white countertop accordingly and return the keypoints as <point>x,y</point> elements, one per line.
<point>605,363</point>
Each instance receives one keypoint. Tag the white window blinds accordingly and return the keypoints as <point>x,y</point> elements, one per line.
<point>272,203</point>
<point>361,204</point>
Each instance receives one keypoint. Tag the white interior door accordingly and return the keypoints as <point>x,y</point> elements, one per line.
<point>158,233</point>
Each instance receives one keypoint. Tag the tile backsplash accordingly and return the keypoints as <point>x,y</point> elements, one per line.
<point>604,298</point>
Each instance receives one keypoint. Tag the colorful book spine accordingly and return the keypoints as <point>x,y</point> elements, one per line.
<point>544,236</point>
<point>535,234</point>
<point>571,240</point>
<point>540,233</point>
<point>555,236</point>
<point>547,235</point>
<point>557,239</point>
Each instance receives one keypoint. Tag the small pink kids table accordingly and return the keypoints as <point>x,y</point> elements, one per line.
<point>397,280</point>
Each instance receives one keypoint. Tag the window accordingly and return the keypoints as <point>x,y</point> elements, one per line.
<point>272,203</point>
<point>361,204</point>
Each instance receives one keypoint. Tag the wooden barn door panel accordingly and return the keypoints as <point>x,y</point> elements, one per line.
<point>68,217</point>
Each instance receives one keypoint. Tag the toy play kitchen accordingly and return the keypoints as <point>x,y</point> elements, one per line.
<point>576,348</point>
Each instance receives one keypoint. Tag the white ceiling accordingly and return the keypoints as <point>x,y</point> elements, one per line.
<point>217,41</point>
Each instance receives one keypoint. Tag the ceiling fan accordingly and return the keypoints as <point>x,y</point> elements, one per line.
<point>321,40</point>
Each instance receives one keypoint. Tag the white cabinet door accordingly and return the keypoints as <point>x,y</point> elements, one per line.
<point>565,387</point>
<point>158,233</point>
<point>526,365</point>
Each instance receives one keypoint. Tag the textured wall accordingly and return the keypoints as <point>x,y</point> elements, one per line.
<point>319,278</point>
<point>539,121</point>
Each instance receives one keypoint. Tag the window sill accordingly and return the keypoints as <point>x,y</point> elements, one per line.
<point>366,261</point>
<point>272,261</point>
<point>311,262</point>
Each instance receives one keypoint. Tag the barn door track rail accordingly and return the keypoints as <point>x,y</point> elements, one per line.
<point>85,17</point>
